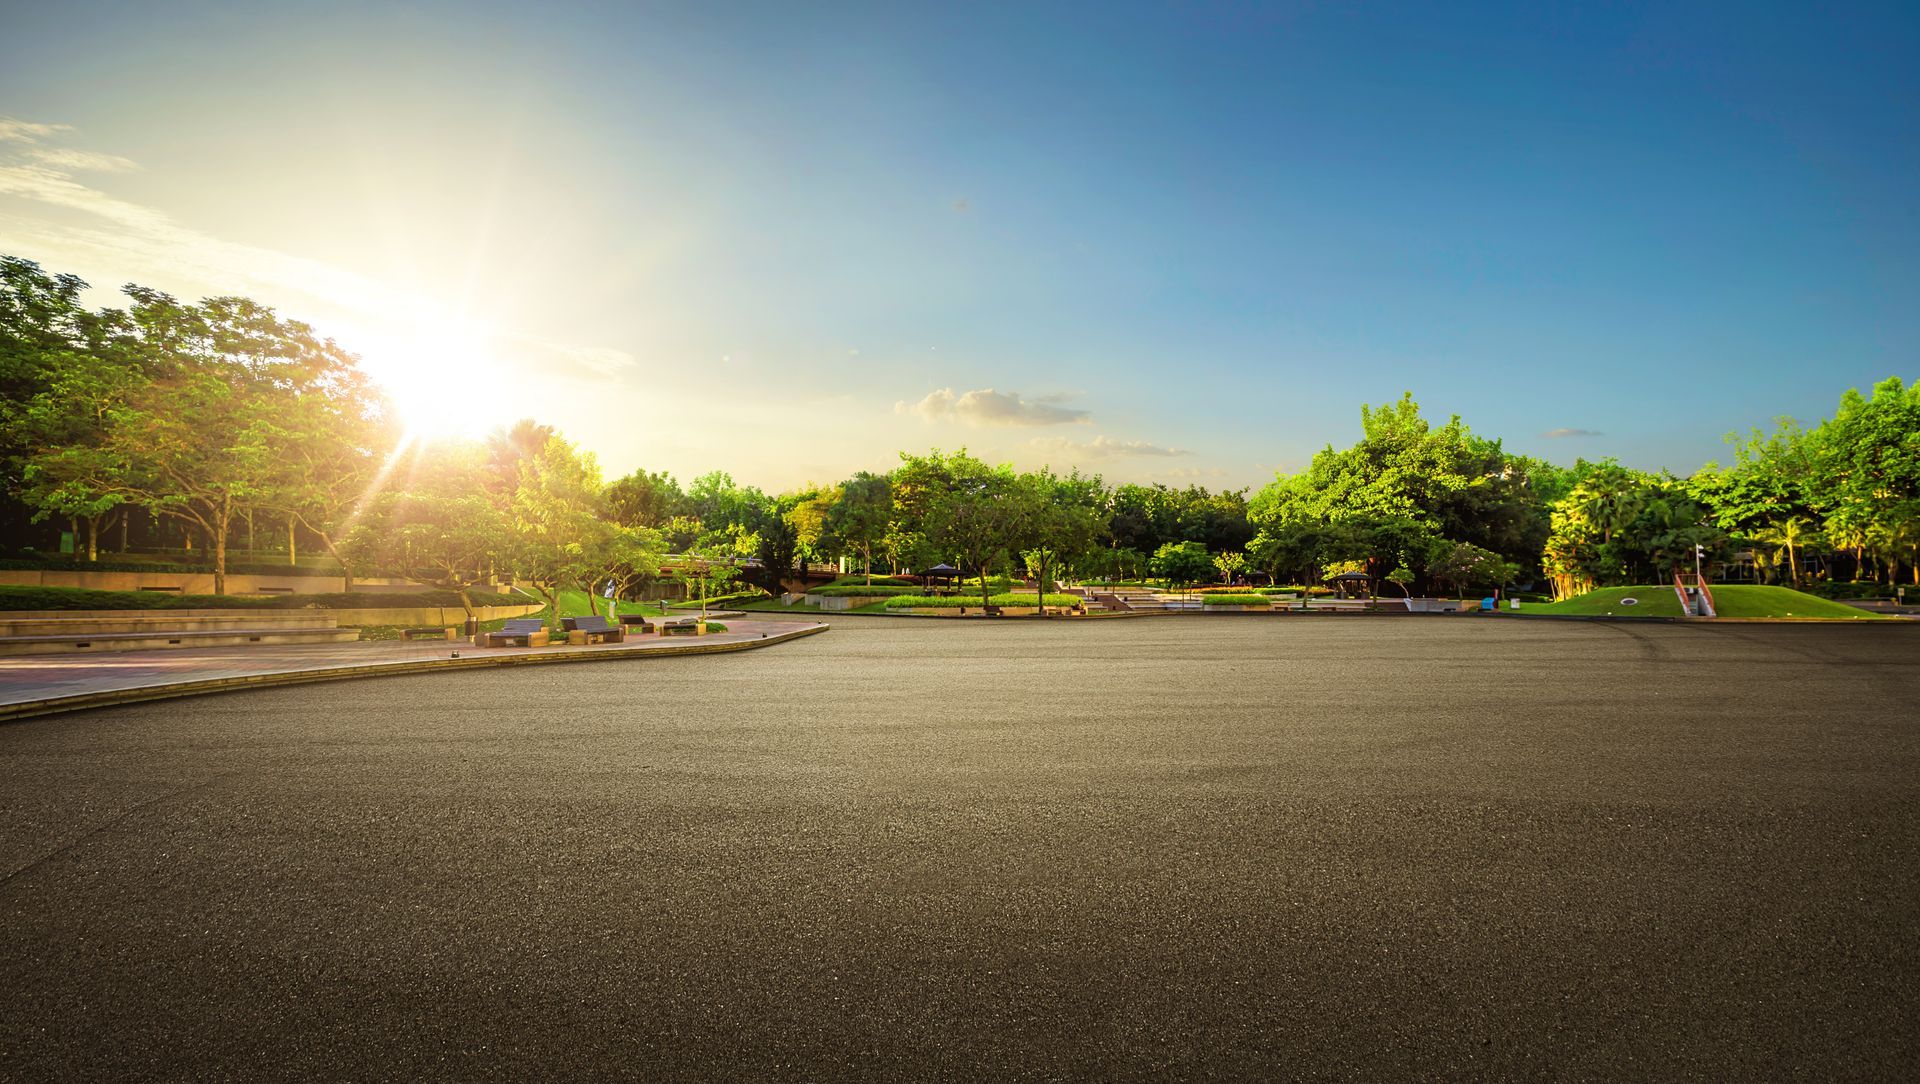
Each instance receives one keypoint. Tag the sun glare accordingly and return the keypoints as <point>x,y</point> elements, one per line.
<point>445,380</point>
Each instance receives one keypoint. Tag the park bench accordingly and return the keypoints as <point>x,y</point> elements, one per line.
<point>680,626</point>
<point>639,621</point>
<point>582,631</point>
<point>435,632</point>
<point>525,632</point>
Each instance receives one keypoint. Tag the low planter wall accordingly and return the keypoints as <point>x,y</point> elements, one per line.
<point>1211,608</point>
<point>197,583</point>
<point>425,615</point>
<point>843,602</point>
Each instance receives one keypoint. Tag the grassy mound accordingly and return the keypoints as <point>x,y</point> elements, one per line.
<point>1732,600</point>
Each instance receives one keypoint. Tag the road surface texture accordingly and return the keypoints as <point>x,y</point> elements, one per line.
<point>1180,847</point>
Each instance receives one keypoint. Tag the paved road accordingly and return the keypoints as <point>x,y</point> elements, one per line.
<point>1250,848</point>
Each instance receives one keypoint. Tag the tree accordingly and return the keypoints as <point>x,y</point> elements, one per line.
<point>1462,564</point>
<point>444,529</point>
<point>1229,565</point>
<point>561,535</point>
<point>961,507</point>
<point>627,558</point>
<point>1787,536</point>
<point>1182,563</point>
<point>1064,522</point>
<point>339,448</point>
<point>860,515</point>
<point>1446,479</point>
<point>642,499</point>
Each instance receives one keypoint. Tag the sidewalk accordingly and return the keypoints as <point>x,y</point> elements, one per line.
<point>38,684</point>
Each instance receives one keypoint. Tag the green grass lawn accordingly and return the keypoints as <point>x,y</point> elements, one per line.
<point>1732,600</point>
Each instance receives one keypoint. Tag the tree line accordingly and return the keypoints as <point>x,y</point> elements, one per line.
<point>208,414</point>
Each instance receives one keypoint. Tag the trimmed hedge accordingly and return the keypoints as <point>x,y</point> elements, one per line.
<point>954,602</point>
<point>79,598</point>
<point>1236,600</point>
<point>1844,589</point>
<point>861,581</point>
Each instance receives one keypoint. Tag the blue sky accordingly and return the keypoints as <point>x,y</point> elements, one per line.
<point>1163,242</point>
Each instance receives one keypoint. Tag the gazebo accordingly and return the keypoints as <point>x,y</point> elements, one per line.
<point>940,571</point>
<point>1352,584</point>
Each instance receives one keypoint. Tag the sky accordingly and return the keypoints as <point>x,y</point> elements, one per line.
<point>1177,242</point>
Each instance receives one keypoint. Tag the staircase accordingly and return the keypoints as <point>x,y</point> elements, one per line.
<point>1124,598</point>
<point>1695,601</point>
<point>47,632</point>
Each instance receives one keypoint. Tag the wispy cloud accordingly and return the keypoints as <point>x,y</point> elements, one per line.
<point>1557,434</point>
<point>15,130</point>
<point>67,158</point>
<point>985,406</point>
<point>1105,447</point>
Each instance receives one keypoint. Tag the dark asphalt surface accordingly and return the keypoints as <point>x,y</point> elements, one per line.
<point>1191,847</point>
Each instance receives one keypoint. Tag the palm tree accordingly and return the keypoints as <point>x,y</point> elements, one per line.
<point>1788,536</point>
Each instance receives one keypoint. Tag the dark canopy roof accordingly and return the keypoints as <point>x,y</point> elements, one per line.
<point>941,570</point>
<point>1349,576</point>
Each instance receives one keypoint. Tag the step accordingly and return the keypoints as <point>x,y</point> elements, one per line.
<point>161,639</point>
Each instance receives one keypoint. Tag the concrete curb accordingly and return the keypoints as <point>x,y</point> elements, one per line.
<point>27,709</point>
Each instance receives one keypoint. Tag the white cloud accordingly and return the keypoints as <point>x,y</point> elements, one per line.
<point>67,158</point>
<point>985,406</point>
<point>14,130</point>
<point>1104,447</point>
<point>1557,434</point>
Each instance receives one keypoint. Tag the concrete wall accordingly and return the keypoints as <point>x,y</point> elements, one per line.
<point>199,583</point>
<point>367,615</point>
<point>425,615</point>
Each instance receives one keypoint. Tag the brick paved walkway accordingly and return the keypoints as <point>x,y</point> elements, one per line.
<point>29,678</point>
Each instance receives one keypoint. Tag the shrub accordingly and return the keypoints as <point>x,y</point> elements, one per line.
<point>1848,590</point>
<point>855,590</point>
<point>954,602</point>
<point>861,581</point>
<point>1236,600</point>
<point>715,626</point>
<point>80,598</point>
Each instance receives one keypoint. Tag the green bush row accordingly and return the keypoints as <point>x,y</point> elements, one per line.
<point>877,590</point>
<point>1237,600</point>
<point>954,602</point>
<point>1851,590</point>
<point>80,598</point>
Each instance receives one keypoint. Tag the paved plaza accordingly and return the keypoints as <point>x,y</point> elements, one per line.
<point>109,676</point>
<point>1254,849</point>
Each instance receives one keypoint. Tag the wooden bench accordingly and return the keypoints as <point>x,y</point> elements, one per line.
<point>435,633</point>
<point>582,631</point>
<point>524,632</point>
<point>680,626</point>
<point>639,621</point>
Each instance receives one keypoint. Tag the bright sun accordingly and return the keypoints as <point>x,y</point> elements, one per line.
<point>444,380</point>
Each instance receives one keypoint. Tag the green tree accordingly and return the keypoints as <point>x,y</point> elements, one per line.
<point>1182,563</point>
<point>445,529</point>
<point>1229,565</point>
<point>860,515</point>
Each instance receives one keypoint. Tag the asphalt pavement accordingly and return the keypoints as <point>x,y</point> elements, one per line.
<point>1190,847</point>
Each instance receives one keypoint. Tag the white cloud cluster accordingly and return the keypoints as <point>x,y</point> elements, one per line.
<point>1105,447</point>
<point>1557,434</point>
<point>985,406</point>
